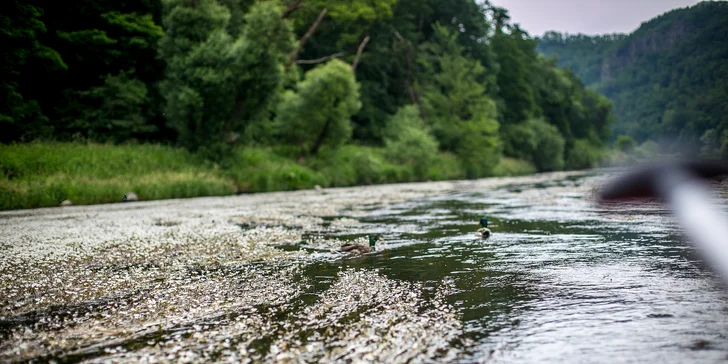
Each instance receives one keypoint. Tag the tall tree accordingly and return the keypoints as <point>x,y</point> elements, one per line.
<point>318,112</point>
<point>21,116</point>
<point>516,56</point>
<point>456,104</point>
<point>217,85</point>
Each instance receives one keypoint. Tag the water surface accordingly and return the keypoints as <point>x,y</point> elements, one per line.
<point>258,278</point>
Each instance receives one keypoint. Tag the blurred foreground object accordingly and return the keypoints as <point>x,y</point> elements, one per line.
<point>682,185</point>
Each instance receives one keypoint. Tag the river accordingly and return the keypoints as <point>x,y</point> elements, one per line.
<point>255,278</point>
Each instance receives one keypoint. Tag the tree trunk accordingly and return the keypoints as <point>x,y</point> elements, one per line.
<point>321,137</point>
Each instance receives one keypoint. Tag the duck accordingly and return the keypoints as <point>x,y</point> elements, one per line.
<point>361,248</point>
<point>484,231</point>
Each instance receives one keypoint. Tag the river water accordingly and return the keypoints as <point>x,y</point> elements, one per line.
<point>259,278</point>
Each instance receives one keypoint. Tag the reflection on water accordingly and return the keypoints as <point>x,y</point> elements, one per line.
<point>560,280</point>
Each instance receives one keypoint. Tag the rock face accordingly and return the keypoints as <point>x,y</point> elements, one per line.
<point>645,43</point>
<point>130,196</point>
<point>66,203</point>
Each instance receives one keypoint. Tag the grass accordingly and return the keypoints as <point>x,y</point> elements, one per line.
<point>513,167</point>
<point>44,174</point>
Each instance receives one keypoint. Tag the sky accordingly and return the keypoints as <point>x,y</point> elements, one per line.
<point>586,16</point>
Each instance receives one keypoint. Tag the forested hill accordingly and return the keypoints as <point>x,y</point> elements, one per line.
<point>417,79</point>
<point>668,80</point>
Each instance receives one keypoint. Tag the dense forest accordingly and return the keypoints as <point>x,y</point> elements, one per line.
<point>418,79</point>
<point>668,80</point>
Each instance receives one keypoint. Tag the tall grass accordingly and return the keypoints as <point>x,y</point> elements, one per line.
<point>513,167</point>
<point>44,174</point>
<point>260,170</point>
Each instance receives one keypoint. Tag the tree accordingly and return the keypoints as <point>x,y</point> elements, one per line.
<point>535,141</point>
<point>198,86</point>
<point>666,80</point>
<point>516,56</point>
<point>318,112</point>
<point>625,143</point>
<point>456,105</point>
<point>96,39</point>
<point>216,85</point>
<point>583,155</point>
<point>115,111</point>
<point>21,116</point>
<point>407,140</point>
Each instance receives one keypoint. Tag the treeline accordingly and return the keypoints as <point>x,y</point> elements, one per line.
<point>668,80</point>
<point>418,79</point>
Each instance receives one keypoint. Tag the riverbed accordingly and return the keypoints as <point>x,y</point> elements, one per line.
<point>254,278</point>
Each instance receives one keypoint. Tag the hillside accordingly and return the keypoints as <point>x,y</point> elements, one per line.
<point>668,80</point>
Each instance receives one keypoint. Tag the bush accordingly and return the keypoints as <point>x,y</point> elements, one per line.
<point>319,111</point>
<point>583,155</point>
<point>445,166</point>
<point>457,104</point>
<point>261,170</point>
<point>351,165</point>
<point>648,149</point>
<point>513,167</point>
<point>407,141</point>
<point>114,111</point>
<point>625,144</point>
<point>216,84</point>
<point>536,141</point>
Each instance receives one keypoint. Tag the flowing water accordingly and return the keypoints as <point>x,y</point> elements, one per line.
<point>259,278</point>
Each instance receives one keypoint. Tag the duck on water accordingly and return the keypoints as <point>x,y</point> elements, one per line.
<point>362,248</point>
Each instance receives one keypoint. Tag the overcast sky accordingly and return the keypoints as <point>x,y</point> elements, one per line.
<point>586,16</point>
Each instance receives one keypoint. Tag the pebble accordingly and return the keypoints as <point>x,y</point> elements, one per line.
<point>130,196</point>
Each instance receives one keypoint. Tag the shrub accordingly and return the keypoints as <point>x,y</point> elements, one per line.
<point>536,141</point>
<point>318,112</point>
<point>625,144</point>
<point>513,167</point>
<point>583,155</point>
<point>407,141</point>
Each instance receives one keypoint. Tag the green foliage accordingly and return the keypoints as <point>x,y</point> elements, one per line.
<point>348,19</point>
<point>44,174</point>
<point>351,165</point>
<point>96,39</point>
<point>456,104</point>
<point>583,155</point>
<point>583,54</point>
<point>625,143</point>
<point>219,75</point>
<point>114,111</point>
<point>535,141</point>
<point>516,55</point>
<point>408,142</point>
<point>667,79</point>
<point>216,85</point>
<point>21,117</point>
<point>318,112</point>
<point>578,113</point>
<point>513,167</point>
<point>260,170</point>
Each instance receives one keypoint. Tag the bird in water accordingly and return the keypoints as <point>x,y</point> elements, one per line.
<point>362,248</point>
<point>484,231</point>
